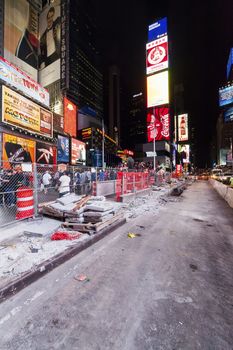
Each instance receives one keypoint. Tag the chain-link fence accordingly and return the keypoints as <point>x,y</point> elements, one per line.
<point>25,187</point>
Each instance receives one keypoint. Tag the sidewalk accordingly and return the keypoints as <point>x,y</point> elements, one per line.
<point>27,251</point>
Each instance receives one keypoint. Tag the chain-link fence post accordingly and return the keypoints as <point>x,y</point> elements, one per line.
<point>35,194</point>
<point>134,190</point>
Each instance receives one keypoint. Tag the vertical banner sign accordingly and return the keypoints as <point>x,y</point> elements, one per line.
<point>64,44</point>
<point>70,117</point>
<point>158,124</point>
<point>183,127</point>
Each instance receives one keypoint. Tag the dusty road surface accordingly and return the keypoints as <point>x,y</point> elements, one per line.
<point>170,288</point>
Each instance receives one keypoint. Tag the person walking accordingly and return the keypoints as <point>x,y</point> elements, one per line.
<point>64,184</point>
<point>46,179</point>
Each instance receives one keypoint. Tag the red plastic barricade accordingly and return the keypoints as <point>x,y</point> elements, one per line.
<point>118,190</point>
<point>94,188</point>
<point>25,203</point>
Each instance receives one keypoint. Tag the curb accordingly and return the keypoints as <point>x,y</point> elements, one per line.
<point>42,269</point>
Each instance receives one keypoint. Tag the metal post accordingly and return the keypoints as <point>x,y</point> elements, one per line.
<point>103,138</point>
<point>122,183</point>
<point>35,194</point>
<point>154,150</point>
<point>134,183</point>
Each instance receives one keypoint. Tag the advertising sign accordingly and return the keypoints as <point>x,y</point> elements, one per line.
<point>228,115</point>
<point>157,29</point>
<point>157,55</point>
<point>184,151</point>
<point>21,29</point>
<point>50,43</point>
<point>157,89</point>
<point>226,96</point>
<point>229,63</point>
<point>22,82</point>
<point>78,151</point>
<point>86,133</point>
<point>63,149</point>
<point>183,127</point>
<point>64,83</point>
<point>70,117</point>
<point>45,153</point>
<point>17,149</point>
<point>21,112</point>
<point>158,124</point>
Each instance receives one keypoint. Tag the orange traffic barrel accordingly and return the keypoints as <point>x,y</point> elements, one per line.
<point>25,203</point>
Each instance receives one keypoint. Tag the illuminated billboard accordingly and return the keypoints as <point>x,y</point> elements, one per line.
<point>63,149</point>
<point>78,151</point>
<point>226,95</point>
<point>157,89</point>
<point>70,117</point>
<point>157,29</point>
<point>228,115</point>
<point>50,43</point>
<point>13,76</point>
<point>45,153</point>
<point>183,127</point>
<point>229,63</point>
<point>21,30</point>
<point>157,55</point>
<point>158,124</point>
<point>17,150</point>
<point>20,112</point>
<point>184,151</point>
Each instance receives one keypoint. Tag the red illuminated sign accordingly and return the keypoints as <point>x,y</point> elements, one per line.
<point>157,55</point>
<point>183,127</point>
<point>70,117</point>
<point>158,124</point>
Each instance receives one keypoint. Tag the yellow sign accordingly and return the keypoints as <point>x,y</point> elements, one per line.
<point>21,112</point>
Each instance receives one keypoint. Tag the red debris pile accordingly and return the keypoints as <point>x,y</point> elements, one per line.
<point>61,235</point>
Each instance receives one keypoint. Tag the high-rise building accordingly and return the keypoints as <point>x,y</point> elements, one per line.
<point>137,120</point>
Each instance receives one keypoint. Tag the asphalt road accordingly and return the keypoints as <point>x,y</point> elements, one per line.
<point>170,288</point>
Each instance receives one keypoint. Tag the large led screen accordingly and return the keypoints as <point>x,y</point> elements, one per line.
<point>157,55</point>
<point>63,149</point>
<point>21,36</point>
<point>157,89</point>
<point>158,124</point>
<point>228,115</point>
<point>23,113</point>
<point>184,151</point>
<point>183,127</point>
<point>157,29</point>
<point>78,151</point>
<point>226,96</point>
<point>50,43</point>
<point>70,117</point>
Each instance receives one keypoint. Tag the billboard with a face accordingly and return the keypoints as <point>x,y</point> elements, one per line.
<point>21,35</point>
<point>157,89</point>
<point>63,149</point>
<point>157,30</point>
<point>50,43</point>
<point>184,151</point>
<point>157,55</point>
<point>158,124</point>
<point>78,151</point>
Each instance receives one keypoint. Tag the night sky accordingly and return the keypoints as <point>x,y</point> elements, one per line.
<point>200,37</point>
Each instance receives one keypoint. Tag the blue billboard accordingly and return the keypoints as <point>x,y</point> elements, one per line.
<point>228,115</point>
<point>63,149</point>
<point>157,29</point>
<point>226,95</point>
<point>229,63</point>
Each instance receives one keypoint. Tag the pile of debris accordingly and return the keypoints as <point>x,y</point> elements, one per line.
<point>83,213</point>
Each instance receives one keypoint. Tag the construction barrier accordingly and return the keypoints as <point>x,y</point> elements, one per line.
<point>94,188</point>
<point>24,203</point>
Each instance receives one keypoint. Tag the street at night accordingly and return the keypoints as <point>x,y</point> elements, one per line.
<point>116,175</point>
<point>170,288</point>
